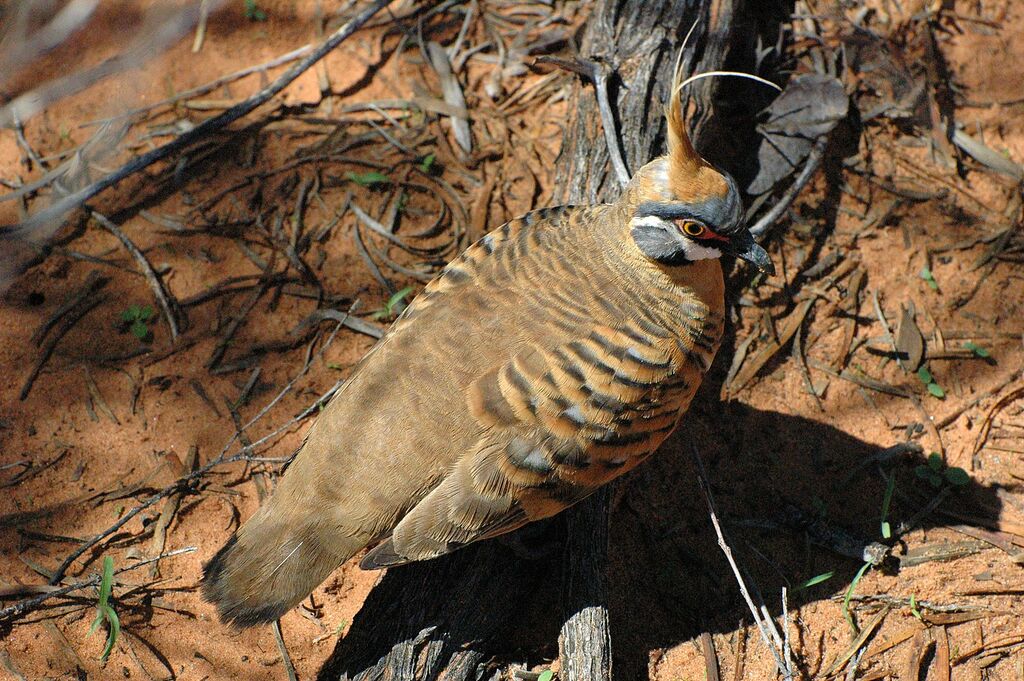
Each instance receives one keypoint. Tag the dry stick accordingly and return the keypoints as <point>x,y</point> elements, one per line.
<point>707,648</point>
<point>764,625</point>
<point>597,73</point>
<point>289,668</point>
<point>65,326</point>
<point>93,282</point>
<point>168,303</point>
<point>211,125</point>
<point>29,603</point>
<point>814,158</point>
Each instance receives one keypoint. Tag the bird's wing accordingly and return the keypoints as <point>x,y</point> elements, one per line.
<point>554,425</point>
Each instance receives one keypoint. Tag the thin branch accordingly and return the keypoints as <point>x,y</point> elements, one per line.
<point>27,604</point>
<point>814,159</point>
<point>764,625</point>
<point>211,125</point>
<point>165,298</point>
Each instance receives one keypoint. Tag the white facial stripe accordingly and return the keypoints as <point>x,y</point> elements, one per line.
<point>695,251</point>
<point>691,249</point>
<point>651,221</point>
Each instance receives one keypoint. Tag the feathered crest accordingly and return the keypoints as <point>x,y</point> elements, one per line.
<point>683,158</point>
<point>689,174</point>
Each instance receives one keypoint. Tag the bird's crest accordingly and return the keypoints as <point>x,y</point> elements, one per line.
<point>683,160</point>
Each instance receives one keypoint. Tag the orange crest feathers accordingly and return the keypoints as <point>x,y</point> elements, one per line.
<point>683,158</point>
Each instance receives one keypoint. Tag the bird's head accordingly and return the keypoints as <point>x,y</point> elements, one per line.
<point>684,210</point>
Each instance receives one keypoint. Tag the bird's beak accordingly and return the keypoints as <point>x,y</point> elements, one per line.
<point>743,246</point>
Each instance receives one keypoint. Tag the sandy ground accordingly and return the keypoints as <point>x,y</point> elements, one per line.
<point>104,427</point>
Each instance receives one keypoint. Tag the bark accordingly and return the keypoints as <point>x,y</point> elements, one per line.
<point>446,618</point>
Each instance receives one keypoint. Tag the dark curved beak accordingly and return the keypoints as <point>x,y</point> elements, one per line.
<point>742,245</point>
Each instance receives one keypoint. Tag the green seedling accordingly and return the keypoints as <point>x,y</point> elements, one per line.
<point>104,611</point>
<point>929,278</point>
<point>426,164</point>
<point>137,318</point>
<point>914,609</point>
<point>936,473</point>
<point>890,487</point>
<point>253,12</point>
<point>816,580</point>
<point>929,382</point>
<point>388,311</point>
<point>367,179</point>
<point>977,350</point>
<point>849,595</point>
<point>546,675</point>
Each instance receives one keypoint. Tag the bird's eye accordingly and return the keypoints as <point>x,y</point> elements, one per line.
<point>691,228</point>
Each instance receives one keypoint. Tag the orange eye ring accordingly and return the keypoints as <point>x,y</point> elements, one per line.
<point>691,228</point>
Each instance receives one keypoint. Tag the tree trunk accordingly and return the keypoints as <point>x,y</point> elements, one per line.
<point>447,618</point>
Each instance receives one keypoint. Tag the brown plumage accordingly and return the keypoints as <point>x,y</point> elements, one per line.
<point>551,357</point>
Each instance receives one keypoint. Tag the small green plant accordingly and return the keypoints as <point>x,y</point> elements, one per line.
<point>977,350</point>
<point>367,179</point>
<point>929,278</point>
<point>104,611</point>
<point>849,594</point>
<point>816,580</point>
<point>914,609</point>
<point>388,311</point>
<point>936,473</point>
<point>929,382</point>
<point>253,12</point>
<point>546,675</point>
<point>137,318</point>
<point>426,164</point>
<point>890,487</point>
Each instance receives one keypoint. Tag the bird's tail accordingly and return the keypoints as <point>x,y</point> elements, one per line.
<point>272,563</point>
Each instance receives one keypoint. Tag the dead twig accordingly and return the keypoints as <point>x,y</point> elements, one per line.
<point>764,625</point>
<point>24,606</point>
<point>168,304</point>
<point>814,159</point>
<point>59,208</point>
<point>66,324</point>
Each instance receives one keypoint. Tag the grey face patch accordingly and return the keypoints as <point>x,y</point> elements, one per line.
<point>660,240</point>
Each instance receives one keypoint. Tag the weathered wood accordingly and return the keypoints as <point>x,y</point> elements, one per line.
<point>639,40</point>
<point>446,618</point>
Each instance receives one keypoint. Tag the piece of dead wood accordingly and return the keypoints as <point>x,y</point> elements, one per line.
<point>93,282</point>
<point>451,90</point>
<point>1000,540</point>
<point>893,640</point>
<point>986,423</point>
<point>166,300</point>
<point>916,655</point>
<point>769,350</point>
<point>707,649</point>
<point>862,638</point>
<point>850,327</point>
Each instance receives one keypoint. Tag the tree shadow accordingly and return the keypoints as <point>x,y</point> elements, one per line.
<point>667,580</point>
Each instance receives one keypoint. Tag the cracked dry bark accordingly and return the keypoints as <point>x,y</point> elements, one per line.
<point>446,618</point>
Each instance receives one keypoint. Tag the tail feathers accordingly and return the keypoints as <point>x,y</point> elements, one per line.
<point>269,566</point>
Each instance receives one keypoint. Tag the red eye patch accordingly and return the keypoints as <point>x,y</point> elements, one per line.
<point>697,230</point>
